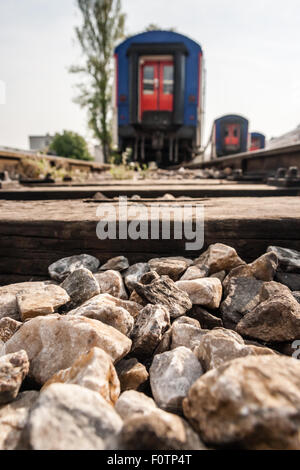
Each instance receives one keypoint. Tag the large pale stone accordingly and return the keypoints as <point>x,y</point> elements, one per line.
<point>54,297</point>
<point>149,328</point>
<point>221,345</point>
<point>8,299</point>
<point>119,263</point>
<point>132,402</point>
<point>242,296</point>
<point>54,342</point>
<point>218,257</point>
<point>173,267</point>
<point>133,308</point>
<point>271,289</point>
<point>13,418</point>
<point>70,417</point>
<point>8,327</point>
<point>252,402</point>
<point>158,430</point>
<point>13,369</point>
<point>180,335</point>
<point>42,302</point>
<point>206,291</point>
<point>65,266</point>
<point>81,285</point>
<point>93,370</point>
<point>103,308</point>
<point>111,282</point>
<point>275,319</point>
<point>171,376</point>
<point>132,374</point>
<point>165,292</point>
<point>134,273</point>
<point>186,335</point>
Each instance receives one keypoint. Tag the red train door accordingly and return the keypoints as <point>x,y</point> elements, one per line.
<point>157,86</point>
<point>166,90</point>
<point>149,86</point>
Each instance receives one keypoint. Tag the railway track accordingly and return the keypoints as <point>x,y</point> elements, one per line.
<point>259,164</point>
<point>39,224</point>
<point>10,158</point>
<point>249,166</point>
<point>147,190</point>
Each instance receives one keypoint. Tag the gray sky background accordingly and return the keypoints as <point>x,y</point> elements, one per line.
<point>252,54</point>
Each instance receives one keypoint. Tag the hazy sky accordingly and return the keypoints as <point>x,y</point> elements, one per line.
<point>252,54</point>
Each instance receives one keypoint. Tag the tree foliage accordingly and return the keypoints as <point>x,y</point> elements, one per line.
<point>70,145</point>
<point>102,27</point>
<point>156,27</point>
<point>153,27</point>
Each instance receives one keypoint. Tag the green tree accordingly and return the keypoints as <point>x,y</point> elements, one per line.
<point>70,145</point>
<point>102,27</point>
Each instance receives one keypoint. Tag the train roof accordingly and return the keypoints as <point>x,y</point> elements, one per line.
<point>231,116</point>
<point>158,36</point>
<point>257,134</point>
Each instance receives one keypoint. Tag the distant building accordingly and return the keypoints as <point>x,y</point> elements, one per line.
<point>98,154</point>
<point>290,138</point>
<point>40,142</point>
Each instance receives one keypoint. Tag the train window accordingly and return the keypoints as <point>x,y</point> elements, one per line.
<point>168,79</point>
<point>148,81</point>
<point>226,133</point>
<point>235,133</point>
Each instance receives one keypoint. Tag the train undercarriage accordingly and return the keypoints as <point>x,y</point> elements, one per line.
<point>166,147</point>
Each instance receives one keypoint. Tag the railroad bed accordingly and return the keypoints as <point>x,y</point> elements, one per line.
<point>147,189</point>
<point>36,233</point>
<point>10,158</point>
<point>263,160</point>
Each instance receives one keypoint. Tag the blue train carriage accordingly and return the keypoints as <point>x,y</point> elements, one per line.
<point>159,88</point>
<point>230,135</point>
<point>257,141</point>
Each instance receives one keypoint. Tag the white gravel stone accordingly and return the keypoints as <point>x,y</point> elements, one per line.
<point>70,417</point>
<point>171,376</point>
<point>206,291</point>
<point>111,282</point>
